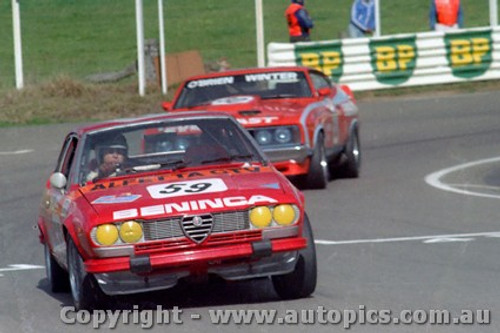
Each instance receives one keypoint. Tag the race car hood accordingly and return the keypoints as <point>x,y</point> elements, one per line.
<point>253,111</point>
<point>189,192</point>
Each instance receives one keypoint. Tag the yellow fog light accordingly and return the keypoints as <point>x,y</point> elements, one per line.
<point>130,232</point>
<point>260,216</point>
<point>284,214</point>
<point>107,234</point>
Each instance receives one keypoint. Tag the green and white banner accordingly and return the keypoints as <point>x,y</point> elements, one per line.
<point>398,60</point>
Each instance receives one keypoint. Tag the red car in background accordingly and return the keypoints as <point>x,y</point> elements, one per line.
<point>307,125</point>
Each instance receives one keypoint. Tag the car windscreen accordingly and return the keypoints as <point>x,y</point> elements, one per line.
<point>165,145</point>
<point>267,85</point>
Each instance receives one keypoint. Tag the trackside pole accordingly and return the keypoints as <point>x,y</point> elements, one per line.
<point>163,61</point>
<point>493,13</point>
<point>259,18</point>
<point>140,47</point>
<point>18,52</point>
<point>378,30</point>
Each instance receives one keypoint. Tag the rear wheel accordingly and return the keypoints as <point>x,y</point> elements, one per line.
<point>319,173</point>
<point>57,276</point>
<point>302,281</point>
<point>352,165</point>
<point>85,292</point>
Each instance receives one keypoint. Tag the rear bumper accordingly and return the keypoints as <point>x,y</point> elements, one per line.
<point>127,275</point>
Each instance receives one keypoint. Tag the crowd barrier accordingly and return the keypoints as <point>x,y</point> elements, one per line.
<point>398,60</point>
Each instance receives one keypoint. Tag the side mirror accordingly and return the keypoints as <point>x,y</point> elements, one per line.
<point>324,92</point>
<point>167,106</point>
<point>347,90</point>
<point>58,180</point>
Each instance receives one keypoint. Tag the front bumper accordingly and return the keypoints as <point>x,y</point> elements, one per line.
<point>127,275</point>
<point>291,161</point>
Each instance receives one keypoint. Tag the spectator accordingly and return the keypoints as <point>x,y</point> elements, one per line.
<point>299,22</point>
<point>446,15</point>
<point>362,18</point>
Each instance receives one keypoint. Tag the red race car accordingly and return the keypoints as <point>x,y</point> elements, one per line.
<point>307,125</point>
<point>135,205</point>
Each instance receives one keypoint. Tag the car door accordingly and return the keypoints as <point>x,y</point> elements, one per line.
<point>329,117</point>
<point>59,200</point>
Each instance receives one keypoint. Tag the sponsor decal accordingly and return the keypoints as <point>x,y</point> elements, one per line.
<point>257,120</point>
<point>233,100</point>
<point>193,206</point>
<point>171,176</point>
<point>277,76</point>
<point>327,58</point>
<point>469,53</point>
<point>219,81</point>
<point>274,186</point>
<point>115,199</point>
<point>393,61</point>
<point>210,185</point>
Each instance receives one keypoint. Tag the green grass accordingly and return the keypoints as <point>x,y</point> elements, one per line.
<point>81,37</point>
<point>72,39</point>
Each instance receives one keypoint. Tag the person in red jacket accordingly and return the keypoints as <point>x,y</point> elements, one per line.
<point>299,22</point>
<point>446,15</point>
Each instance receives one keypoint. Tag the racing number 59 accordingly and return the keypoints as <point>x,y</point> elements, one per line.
<point>193,188</point>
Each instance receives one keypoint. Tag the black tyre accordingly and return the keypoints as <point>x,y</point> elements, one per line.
<point>302,281</point>
<point>319,172</point>
<point>352,165</point>
<point>85,292</point>
<point>57,276</point>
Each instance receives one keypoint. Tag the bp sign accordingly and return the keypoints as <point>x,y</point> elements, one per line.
<point>326,57</point>
<point>393,61</point>
<point>469,54</point>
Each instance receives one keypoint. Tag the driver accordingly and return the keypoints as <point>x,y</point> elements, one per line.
<point>111,155</point>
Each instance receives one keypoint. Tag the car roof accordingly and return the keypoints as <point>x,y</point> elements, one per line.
<point>80,130</point>
<point>252,70</point>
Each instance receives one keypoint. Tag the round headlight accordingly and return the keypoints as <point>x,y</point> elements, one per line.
<point>107,234</point>
<point>284,214</point>
<point>130,232</point>
<point>260,216</point>
<point>283,135</point>
<point>263,137</point>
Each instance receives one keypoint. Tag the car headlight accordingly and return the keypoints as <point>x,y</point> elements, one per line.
<point>283,135</point>
<point>261,216</point>
<point>284,214</point>
<point>130,232</point>
<point>263,137</point>
<point>107,234</point>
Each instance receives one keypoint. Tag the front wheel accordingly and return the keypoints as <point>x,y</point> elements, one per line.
<point>301,282</point>
<point>319,173</point>
<point>84,289</point>
<point>57,276</point>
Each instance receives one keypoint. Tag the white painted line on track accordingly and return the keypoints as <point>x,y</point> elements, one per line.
<point>425,239</point>
<point>16,152</point>
<point>434,179</point>
<point>20,267</point>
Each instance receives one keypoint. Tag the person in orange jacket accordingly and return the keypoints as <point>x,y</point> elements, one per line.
<point>299,22</point>
<point>446,15</point>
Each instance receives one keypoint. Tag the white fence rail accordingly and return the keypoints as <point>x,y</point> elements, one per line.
<point>399,60</point>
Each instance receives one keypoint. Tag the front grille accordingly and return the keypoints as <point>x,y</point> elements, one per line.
<point>197,227</point>
<point>171,228</point>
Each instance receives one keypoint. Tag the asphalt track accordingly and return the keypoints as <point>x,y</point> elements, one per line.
<point>410,234</point>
